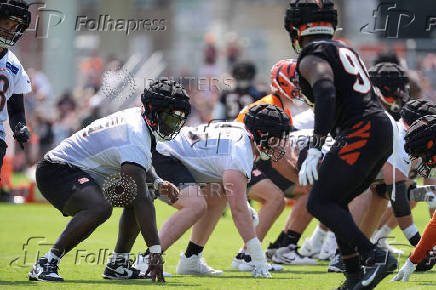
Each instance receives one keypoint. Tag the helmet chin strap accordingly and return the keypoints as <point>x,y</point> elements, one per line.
<point>296,45</point>
<point>155,133</point>
<point>262,154</point>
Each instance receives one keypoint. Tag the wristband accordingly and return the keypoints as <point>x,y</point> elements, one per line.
<point>156,183</point>
<point>317,141</point>
<point>156,249</point>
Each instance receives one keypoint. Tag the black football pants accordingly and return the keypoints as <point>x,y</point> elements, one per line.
<point>346,171</point>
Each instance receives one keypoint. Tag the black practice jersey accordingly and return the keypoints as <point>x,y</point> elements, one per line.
<point>354,96</point>
<point>235,100</point>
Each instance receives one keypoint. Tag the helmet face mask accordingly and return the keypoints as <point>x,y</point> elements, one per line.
<point>274,147</point>
<point>169,124</point>
<point>14,20</point>
<point>426,165</point>
<point>394,101</point>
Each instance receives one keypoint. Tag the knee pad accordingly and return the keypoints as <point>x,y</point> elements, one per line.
<point>381,189</point>
<point>401,205</point>
<point>314,206</point>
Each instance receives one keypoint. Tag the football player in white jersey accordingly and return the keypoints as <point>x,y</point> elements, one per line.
<point>111,154</point>
<point>212,164</point>
<point>14,20</point>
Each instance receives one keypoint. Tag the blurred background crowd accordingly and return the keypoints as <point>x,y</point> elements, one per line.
<point>83,66</point>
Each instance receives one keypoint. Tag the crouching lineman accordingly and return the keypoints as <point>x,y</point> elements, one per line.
<point>220,155</point>
<point>421,143</point>
<point>268,186</point>
<point>115,151</point>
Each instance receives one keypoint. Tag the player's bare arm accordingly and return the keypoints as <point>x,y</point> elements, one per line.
<point>319,75</point>
<point>235,184</point>
<point>17,118</point>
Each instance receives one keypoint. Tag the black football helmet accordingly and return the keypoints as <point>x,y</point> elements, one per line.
<point>391,85</point>
<point>244,72</point>
<point>270,127</point>
<point>310,17</point>
<point>415,109</point>
<point>18,12</point>
<point>166,108</point>
<point>421,143</point>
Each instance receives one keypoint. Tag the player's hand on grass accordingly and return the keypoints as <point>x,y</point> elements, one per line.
<point>155,267</point>
<point>405,271</point>
<point>168,189</point>
<point>309,169</point>
<point>261,270</point>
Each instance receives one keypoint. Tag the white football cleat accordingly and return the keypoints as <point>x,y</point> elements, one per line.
<point>290,256</point>
<point>308,250</point>
<point>195,265</point>
<point>141,263</point>
<point>242,262</point>
<point>328,249</point>
<point>383,243</point>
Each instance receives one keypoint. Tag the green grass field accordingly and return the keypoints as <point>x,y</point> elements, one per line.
<point>81,268</point>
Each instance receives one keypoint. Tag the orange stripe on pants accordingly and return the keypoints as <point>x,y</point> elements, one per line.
<point>427,242</point>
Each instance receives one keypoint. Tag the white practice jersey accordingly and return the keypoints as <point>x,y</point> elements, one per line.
<point>304,120</point>
<point>210,149</point>
<point>403,163</point>
<point>106,143</point>
<point>13,80</point>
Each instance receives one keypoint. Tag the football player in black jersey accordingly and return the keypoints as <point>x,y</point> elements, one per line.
<point>231,102</point>
<point>335,80</point>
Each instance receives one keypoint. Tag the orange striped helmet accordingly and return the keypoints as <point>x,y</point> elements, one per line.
<point>283,79</point>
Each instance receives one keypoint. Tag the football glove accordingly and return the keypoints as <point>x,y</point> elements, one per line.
<point>430,197</point>
<point>21,134</point>
<point>405,271</point>
<point>309,171</point>
<point>261,270</point>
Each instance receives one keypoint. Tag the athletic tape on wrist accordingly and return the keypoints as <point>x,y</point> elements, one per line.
<point>156,249</point>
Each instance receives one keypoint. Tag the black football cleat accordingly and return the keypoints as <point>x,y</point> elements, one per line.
<point>351,281</point>
<point>46,271</point>
<point>427,263</point>
<point>379,264</point>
